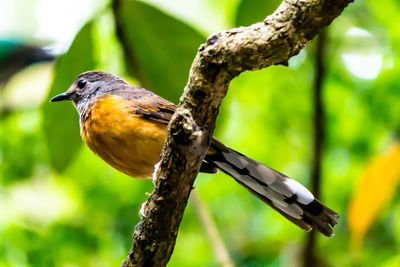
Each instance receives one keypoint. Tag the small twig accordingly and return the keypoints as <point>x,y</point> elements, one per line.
<point>211,229</point>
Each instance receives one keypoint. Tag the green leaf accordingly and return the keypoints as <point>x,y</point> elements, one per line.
<point>162,47</point>
<point>252,11</point>
<point>61,123</point>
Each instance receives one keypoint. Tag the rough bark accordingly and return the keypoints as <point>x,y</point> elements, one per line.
<point>225,55</point>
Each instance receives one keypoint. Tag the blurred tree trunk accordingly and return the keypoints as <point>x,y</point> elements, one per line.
<point>310,257</point>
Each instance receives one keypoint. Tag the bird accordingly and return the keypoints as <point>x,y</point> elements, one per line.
<point>126,126</point>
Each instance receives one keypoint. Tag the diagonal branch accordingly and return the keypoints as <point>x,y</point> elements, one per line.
<point>224,56</point>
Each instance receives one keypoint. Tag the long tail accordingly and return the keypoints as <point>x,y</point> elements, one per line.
<point>285,195</point>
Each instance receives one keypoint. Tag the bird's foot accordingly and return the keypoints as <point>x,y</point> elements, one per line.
<point>157,169</point>
<point>143,207</point>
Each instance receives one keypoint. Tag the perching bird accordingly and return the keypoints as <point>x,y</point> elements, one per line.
<point>126,126</point>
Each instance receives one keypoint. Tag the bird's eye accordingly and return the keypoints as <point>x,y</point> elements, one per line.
<point>81,84</point>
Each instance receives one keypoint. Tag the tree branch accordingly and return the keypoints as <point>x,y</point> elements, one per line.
<point>224,56</point>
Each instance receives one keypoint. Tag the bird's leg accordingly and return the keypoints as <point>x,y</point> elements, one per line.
<point>143,207</point>
<point>157,169</point>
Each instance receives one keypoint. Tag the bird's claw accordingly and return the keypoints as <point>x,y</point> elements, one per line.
<point>157,169</point>
<point>143,207</point>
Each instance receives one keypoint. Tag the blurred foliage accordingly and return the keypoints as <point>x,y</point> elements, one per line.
<point>162,47</point>
<point>15,56</point>
<point>63,140</point>
<point>61,205</point>
<point>377,187</point>
<point>252,11</point>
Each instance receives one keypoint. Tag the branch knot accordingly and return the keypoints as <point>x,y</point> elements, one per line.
<point>183,127</point>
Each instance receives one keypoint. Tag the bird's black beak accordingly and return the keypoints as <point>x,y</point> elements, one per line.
<point>61,97</point>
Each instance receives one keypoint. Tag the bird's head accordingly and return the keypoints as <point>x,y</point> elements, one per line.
<point>87,87</point>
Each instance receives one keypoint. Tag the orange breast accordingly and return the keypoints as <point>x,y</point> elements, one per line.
<point>123,139</point>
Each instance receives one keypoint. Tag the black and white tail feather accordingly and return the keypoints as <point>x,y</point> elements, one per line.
<point>285,195</point>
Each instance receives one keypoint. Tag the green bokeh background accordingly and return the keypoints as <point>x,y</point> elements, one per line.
<point>60,205</point>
